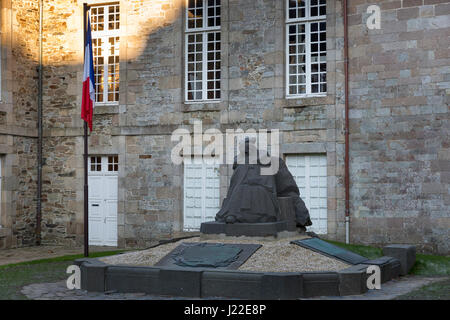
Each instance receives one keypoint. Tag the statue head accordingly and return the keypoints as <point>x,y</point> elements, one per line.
<point>247,145</point>
<point>247,151</point>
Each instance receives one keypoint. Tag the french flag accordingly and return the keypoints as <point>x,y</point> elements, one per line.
<point>88,98</point>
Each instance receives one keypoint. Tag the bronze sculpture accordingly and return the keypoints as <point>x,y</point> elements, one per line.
<point>253,198</point>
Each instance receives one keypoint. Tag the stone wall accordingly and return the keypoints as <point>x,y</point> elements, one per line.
<point>400,124</point>
<point>399,88</point>
<point>63,142</point>
<point>18,114</point>
<point>152,106</point>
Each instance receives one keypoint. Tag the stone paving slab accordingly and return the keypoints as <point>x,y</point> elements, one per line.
<point>16,255</point>
<point>59,291</point>
<point>389,290</point>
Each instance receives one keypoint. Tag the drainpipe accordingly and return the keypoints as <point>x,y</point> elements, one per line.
<point>347,126</point>
<point>39,151</point>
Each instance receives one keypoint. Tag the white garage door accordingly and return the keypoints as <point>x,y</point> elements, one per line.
<point>103,187</point>
<point>310,173</point>
<point>201,193</point>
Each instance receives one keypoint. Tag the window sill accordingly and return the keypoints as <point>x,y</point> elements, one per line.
<point>106,109</point>
<point>211,105</point>
<point>202,102</point>
<point>312,95</point>
<point>310,100</point>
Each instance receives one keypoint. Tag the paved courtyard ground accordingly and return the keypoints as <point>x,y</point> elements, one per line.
<point>58,291</point>
<point>17,255</point>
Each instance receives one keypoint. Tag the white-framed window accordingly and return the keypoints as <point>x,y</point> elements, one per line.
<point>105,25</point>
<point>202,50</point>
<point>306,48</point>
<point>105,164</point>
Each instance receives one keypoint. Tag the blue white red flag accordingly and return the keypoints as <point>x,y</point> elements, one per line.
<point>88,98</point>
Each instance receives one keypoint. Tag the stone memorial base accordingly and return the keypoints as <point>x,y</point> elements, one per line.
<point>266,229</point>
<point>285,225</point>
<point>97,276</point>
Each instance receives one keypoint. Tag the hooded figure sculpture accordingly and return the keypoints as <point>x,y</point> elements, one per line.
<point>252,197</point>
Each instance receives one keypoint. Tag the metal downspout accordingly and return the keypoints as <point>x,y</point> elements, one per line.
<point>347,127</point>
<point>39,151</point>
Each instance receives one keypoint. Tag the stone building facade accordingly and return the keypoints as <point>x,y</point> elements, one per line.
<point>18,118</point>
<point>399,88</point>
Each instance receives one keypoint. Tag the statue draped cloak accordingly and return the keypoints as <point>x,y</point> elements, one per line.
<point>253,198</point>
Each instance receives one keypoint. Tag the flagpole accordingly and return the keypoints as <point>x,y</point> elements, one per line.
<point>86,192</point>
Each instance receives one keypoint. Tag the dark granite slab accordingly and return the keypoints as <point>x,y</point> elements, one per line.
<point>330,250</point>
<point>172,258</point>
<point>263,229</point>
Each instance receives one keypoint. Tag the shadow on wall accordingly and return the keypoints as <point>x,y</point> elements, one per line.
<point>141,22</point>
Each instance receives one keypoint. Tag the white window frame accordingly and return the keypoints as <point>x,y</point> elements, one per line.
<point>307,20</point>
<point>105,161</point>
<point>105,35</point>
<point>205,30</point>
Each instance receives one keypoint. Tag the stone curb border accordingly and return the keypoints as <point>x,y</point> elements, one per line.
<point>97,276</point>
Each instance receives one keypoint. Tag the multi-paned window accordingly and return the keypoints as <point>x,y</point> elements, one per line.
<point>105,50</point>
<point>104,163</point>
<point>306,48</point>
<point>113,163</point>
<point>202,53</point>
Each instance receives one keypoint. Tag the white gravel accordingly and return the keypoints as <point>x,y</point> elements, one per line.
<point>273,256</point>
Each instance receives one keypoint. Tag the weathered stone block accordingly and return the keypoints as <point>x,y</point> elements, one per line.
<point>180,282</point>
<point>405,253</point>
<point>265,229</point>
<point>93,274</point>
<point>281,286</point>
<point>242,285</point>
<point>353,280</point>
<point>389,267</point>
<point>132,279</point>
<point>320,284</point>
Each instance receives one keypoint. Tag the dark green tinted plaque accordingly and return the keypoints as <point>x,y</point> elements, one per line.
<point>330,250</point>
<point>209,255</point>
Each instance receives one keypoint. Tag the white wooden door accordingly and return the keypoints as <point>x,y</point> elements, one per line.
<point>103,187</point>
<point>310,174</point>
<point>201,193</point>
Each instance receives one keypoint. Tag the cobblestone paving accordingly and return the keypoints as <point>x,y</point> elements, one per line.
<point>59,291</point>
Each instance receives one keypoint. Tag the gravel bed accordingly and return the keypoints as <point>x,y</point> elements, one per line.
<point>273,256</point>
